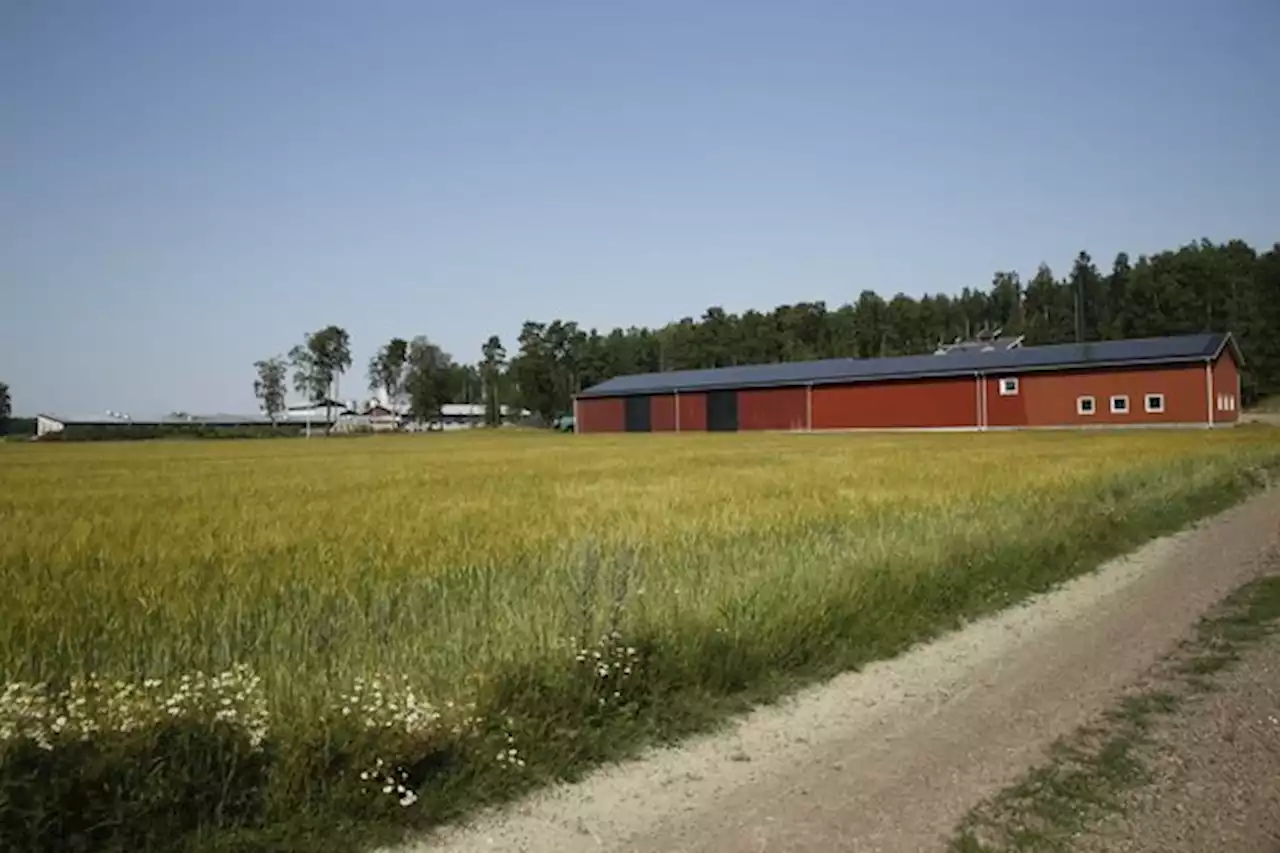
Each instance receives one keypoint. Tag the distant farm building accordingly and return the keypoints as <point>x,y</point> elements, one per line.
<point>317,415</point>
<point>322,415</point>
<point>320,411</point>
<point>467,415</point>
<point>122,423</point>
<point>1189,380</point>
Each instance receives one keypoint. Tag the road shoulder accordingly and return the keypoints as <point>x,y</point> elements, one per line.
<point>1188,759</point>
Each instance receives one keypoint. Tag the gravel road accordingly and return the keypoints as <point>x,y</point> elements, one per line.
<point>891,758</point>
<point>1216,771</point>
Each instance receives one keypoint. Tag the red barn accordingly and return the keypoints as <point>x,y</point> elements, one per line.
<point>1189,380</point>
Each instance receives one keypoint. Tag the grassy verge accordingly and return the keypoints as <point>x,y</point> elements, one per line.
<point>322,661</point>
<point>1090,772</point>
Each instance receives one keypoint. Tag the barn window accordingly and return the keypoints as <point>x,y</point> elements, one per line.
<point>1155,403</point>
<point>1084,406</point>
<point>1120,405</point>
<point>1008,387</point>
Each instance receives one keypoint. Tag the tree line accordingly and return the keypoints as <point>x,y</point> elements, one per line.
<point>1201,286</point>
<point>416,375</point>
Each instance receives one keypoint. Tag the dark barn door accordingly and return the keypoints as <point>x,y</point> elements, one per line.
<point>639,417</point>
<point>722,411</point>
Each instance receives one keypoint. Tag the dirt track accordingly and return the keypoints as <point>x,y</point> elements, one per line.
<point>891,758</point>
<point>1268,418</point>
<point>1216,769</point>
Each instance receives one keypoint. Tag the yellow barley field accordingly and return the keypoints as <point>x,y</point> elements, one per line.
<point>309,559</point>
<point>450,562</point>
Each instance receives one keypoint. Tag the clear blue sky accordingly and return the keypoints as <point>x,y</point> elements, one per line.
<point>186,187</point>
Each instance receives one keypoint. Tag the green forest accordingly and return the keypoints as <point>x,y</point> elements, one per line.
<point>1203,286</point>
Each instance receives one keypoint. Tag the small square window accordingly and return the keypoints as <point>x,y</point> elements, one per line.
<point>1085,406</point>
<point>1008,387</point>
<point>1155,403</point>
<point>1120,405</point>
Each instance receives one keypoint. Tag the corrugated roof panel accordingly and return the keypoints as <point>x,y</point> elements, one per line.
<point>159,420</point>
<point>836,370</point>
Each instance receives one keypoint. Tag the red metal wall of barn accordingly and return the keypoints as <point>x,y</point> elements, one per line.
<point>608,414</point>
<point>772,408</point>
<point>1043,399</point>
<point>662,413</point>
<point>693,412</point>
<point>1226,389</point>
<point>917,403</point>
<point>1050,398</point>
<point>601,414</point>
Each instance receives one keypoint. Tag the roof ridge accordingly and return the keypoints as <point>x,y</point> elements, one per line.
<point>1066,355</point>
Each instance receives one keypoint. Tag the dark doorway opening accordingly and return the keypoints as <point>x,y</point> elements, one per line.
<point>722,411</point>
<point>639,414</point>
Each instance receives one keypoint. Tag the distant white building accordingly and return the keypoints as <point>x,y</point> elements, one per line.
<point>319,411</point>
<point>465,416</point>
<point>49,423</point>
<point>322,414</point>
<point>380,417</point>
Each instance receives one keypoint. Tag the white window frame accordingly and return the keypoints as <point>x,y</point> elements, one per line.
<point>1153,410</point>
<point>1009,386</point>
<point>1080,408</point>
<point>1117,398</point>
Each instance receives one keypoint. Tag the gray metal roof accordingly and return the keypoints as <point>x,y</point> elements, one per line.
<point>1135,352</point>
<point>159,420</point>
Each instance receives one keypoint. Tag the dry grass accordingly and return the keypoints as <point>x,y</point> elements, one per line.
<point>468,562</point>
